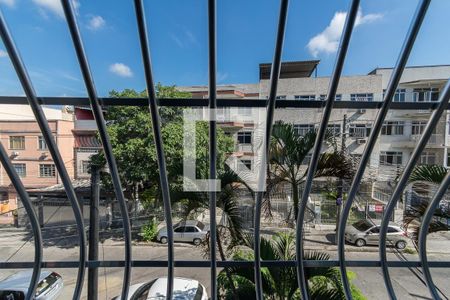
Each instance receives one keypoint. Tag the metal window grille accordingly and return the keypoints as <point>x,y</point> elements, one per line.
<point>360,101</point>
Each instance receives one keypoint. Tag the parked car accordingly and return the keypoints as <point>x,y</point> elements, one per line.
<point>186,231</point>
<point>183,289</point>
<point>15,287</point>
<point>365,232</point>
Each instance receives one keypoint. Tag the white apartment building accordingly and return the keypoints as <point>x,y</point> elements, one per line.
<point>399,135</point>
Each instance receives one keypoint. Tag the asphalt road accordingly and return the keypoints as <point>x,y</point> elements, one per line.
<point>369,280</point>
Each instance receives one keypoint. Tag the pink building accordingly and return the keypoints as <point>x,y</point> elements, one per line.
<point>22,138</point>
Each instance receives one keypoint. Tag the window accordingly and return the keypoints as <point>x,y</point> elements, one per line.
<point>245,111</point>
<point>417,127</point>
<point>389,158</point>
<point>21,169</point>
<point>42,145</point>
<point>323,97</point>
<point>392,128</point>
<point>247,165</point>
<point>179,229</point>
<point>334,129</point>
<point>282,97</point>
<point>303,129</point>
<point>190,229</point>
<point>244,137</point>
<point>400,95</point>
<point>427,158</point>
<point>425,94</point>
<point>392,230</point>
<point>47,170</point>
<point>359,130</point>
<point>375,230</point>
<point>305,97</point>
<point>17,142</point>
<point>362,97</point>
<point>84,166</point>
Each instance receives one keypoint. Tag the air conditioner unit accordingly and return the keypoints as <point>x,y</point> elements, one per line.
<point>360,141</point>
<point>44,154</point>
<point>361,111</point>
<point>15,153</point>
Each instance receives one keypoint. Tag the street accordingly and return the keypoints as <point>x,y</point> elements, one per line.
<point>406,283</point>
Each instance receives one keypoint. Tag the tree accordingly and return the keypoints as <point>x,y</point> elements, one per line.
<point>433,175</point>
<point>281,282</point>
<point>130,131</point>
<point>288,152</point>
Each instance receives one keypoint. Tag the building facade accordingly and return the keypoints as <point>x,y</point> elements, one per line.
<point>22,138</point>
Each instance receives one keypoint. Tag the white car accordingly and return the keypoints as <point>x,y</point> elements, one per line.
<point>184,289</point>
<point>15,287</point>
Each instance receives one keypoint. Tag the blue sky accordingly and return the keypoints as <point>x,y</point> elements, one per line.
<point>178,40</point>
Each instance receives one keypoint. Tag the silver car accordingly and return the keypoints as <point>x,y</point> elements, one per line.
<point>367,232</point>
<point>15,287</point>
<point>186,231</point>
<point>183,289</point>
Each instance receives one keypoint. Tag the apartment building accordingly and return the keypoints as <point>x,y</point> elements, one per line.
<point>22,138</point>
<point>399,135</point>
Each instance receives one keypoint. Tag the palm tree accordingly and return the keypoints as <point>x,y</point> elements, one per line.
<point>281,282</point>
<point>288,151</point>
<point>429,174</point>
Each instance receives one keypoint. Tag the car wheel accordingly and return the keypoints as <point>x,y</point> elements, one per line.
<point>360,242</point>
<point>197,242</point>
<point>163,240</point>
<point>400,245</point>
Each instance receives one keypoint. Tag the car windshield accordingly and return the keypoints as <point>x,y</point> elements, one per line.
<point>11,295</point>
<point>46,283</point>
<point>200,225</point>
<point>362,225</point>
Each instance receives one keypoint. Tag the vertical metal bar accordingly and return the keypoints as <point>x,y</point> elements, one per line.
<point>212,142</point>
<point>152,102</point>
<point>424,232</point>
<point>390,91</point>
<point>92,292</point>
<point>51,144</point>
<point>403,181</point>
<point>334,82</point>
<point>273,85</point>
<point>18,185</point>
<point>99,119</point>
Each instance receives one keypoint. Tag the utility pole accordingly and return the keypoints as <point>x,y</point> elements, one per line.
<point>339,198</point>
<point>93,232</point>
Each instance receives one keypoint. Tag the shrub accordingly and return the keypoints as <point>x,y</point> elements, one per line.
<point>149,230</point>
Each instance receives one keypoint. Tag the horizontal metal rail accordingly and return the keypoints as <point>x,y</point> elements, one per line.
<point>221,102</point>
<point>223,264</point>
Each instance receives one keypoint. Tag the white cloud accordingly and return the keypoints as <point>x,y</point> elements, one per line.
<point>328,40</point>
<point>10,3</point>
<point>54,6</point>
<point>221,76</point>
<point>120,69</point>
<point>96,23</point>
<point>3,53</point>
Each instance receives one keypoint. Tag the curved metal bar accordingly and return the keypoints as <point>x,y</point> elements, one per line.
<point>25,81</point>
<point>390,91</point>
<point>334,82</point>
<point>153,107</point>
<point>18,185</point>
<point>273,85</point>
<point>424,232</point>
<point>100,121</point>
<point>212,142</point>
<point>403,181</point>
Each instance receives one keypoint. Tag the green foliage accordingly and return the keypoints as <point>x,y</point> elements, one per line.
<point>428,173</point>
<point>150,230</point>
<point>281,283</point>
<point>131,134</point>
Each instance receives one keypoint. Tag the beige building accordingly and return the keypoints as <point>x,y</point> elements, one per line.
<point>22,139</point>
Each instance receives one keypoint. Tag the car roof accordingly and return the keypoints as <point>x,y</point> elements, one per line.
<point>183,288</point>
<point>378,222</point>
<point>188,223</point>
<point>20,281</point>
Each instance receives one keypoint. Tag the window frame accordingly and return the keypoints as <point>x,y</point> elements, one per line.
<point>52,173</point>
<point>12,143</point>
